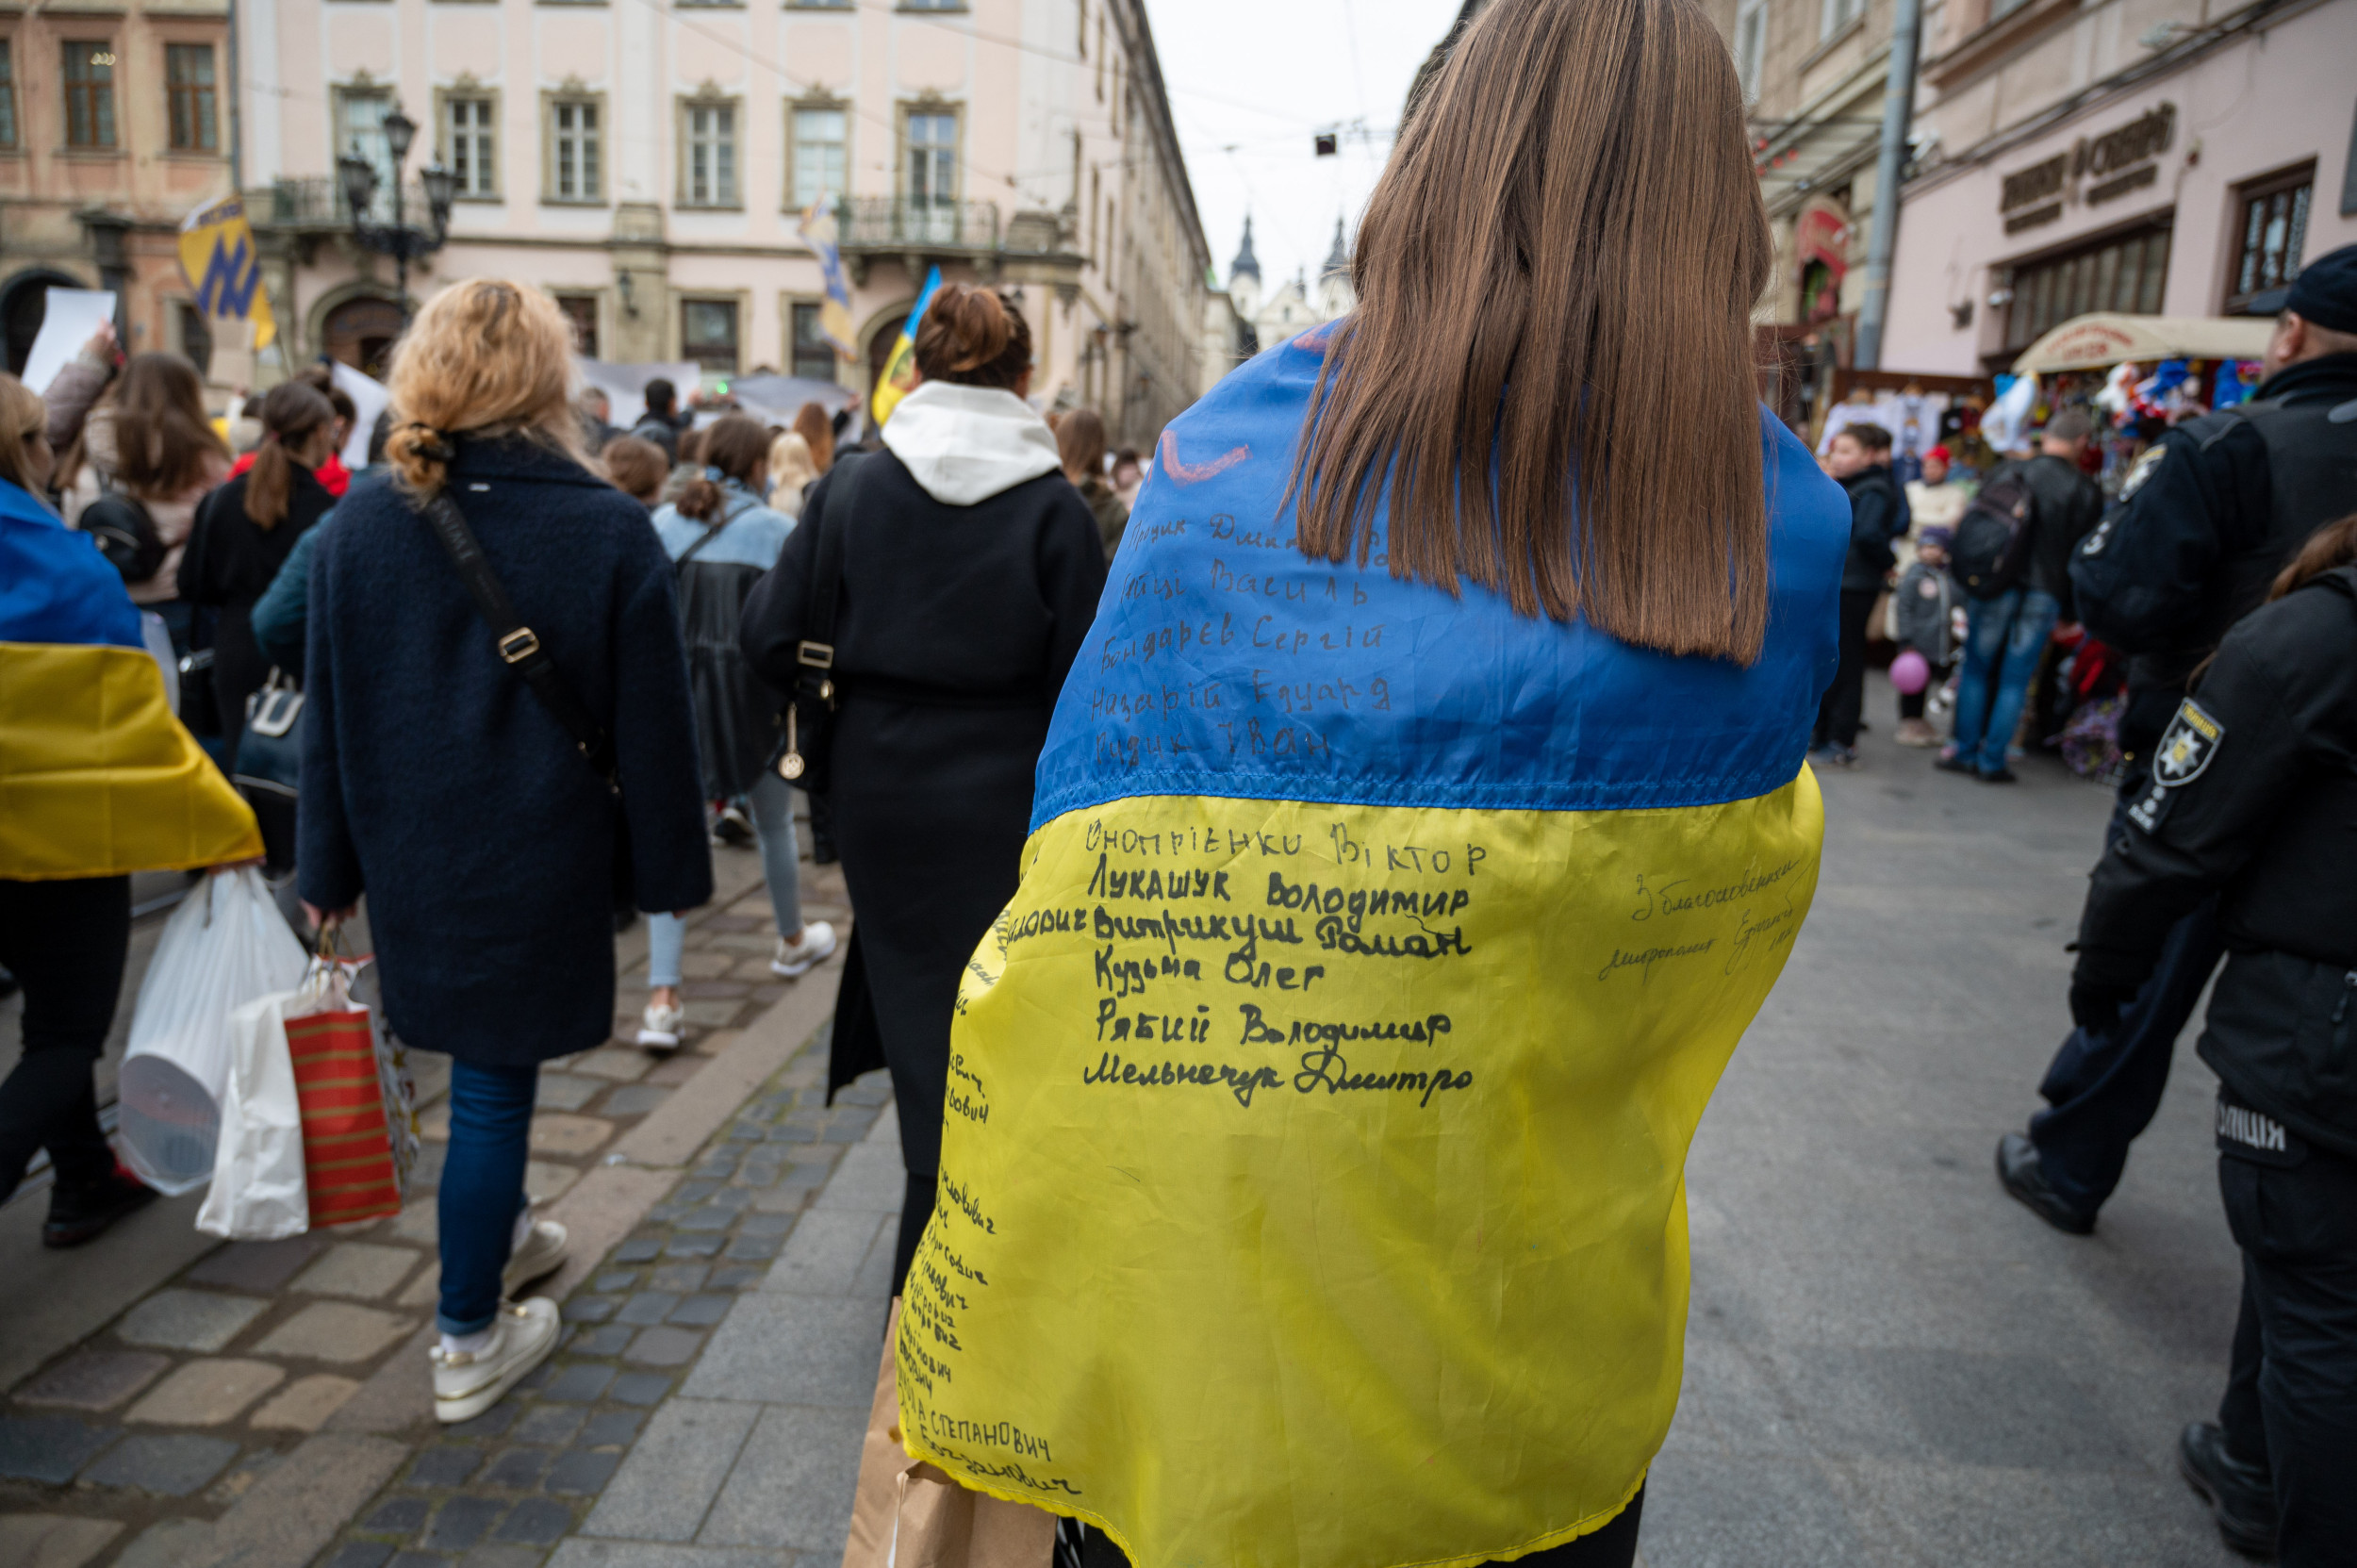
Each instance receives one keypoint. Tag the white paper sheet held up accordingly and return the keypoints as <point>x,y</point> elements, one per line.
<point>71,316</point>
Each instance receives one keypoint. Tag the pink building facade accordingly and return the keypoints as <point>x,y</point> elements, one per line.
<point>2155,156</point>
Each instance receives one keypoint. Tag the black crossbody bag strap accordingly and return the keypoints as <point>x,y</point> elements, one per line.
<point>517,644</point>
<point>826,570</point>
<point>712,532</point>
<point>801,756</point>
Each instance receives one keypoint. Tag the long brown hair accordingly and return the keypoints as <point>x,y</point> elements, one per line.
<point>484,358</point>
<point>817,430</point>
<point>2332,545</point>
<point>735,445</point>
<point>164,442</point>
<point>972,338</point>
<point>1554,278</point>
<point>291,414</point>
<point>1080,443</point>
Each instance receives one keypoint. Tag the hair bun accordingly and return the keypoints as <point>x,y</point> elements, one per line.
<point>970,335</point>
<point>978,326</point>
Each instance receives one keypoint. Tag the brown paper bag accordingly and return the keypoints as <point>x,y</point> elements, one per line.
<point>909,1514</point>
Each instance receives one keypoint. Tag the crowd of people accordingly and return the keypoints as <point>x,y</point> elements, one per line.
<point>2220,577</point>
<point>545,665</point>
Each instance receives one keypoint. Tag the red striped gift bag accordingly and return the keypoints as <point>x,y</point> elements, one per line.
<point>347,1147</point>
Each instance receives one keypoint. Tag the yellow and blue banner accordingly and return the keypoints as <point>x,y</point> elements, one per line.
<point>1311,1181</point>
<point>819,230</point>
<point>219,258</point>
<point>899,372</point>
<point>97,778</point>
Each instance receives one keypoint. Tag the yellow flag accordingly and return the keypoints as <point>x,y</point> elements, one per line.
<point>219,258</point>
<point>97,778</point>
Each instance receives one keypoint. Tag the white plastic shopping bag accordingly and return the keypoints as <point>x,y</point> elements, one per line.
<point>262,1165</point>
<point>258,1193</point>
<point>226,945</point>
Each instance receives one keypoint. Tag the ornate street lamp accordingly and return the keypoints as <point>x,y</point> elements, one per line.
<point>397,239</point>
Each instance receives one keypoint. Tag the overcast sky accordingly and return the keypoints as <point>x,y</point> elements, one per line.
<point>1309,65</point>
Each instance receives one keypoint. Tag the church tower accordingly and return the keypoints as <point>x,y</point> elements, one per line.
<point>1336,297</point>
<point>1243,276</point>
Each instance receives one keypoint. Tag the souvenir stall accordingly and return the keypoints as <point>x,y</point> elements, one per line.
<point>2135,376</point>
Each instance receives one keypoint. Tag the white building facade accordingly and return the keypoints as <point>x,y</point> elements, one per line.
<point>649,166</point>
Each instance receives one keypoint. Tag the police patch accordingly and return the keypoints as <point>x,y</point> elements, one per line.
<point>2142,469</point>
<point>2192,739</point>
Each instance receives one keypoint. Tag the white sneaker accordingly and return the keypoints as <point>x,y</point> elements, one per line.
<point>543,1249</point>
<point>467,1384</point>
<point>797,958</point>
<point>660,1026</point>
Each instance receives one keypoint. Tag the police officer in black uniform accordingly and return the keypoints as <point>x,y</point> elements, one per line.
<point>2253,802</point>
<point>2206,518</point>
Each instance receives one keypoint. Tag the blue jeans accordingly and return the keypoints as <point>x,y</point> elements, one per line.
<point>2102,1089</point>
<point>770,804</point>
<point>2007,635</point>
<point>483,1188</point>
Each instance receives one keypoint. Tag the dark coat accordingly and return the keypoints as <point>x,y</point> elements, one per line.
<point>1877,516</point>
<point>433,779</point>
<point>2066,506</point>
<point>2253,797</point>
<point>736,712</point>
<point>973,614</point>
<point>2201,531</point>
<point>1112,518</point>
<point>230,564</point>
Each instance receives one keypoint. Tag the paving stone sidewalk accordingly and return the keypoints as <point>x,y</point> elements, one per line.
<point>259,1400</point>
<point>705,1408</point>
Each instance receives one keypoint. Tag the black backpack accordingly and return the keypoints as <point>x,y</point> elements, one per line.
<point>124,533</point>
<point>1992,546</point>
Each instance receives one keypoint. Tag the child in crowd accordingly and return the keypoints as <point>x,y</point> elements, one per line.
<point>1923,605</point>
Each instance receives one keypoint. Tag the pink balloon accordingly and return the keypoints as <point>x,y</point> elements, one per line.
<point>1910,672</point>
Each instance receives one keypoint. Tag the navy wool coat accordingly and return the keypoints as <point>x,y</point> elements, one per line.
<point>435,782</point>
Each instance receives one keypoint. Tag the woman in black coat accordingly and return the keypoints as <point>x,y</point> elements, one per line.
<point>243,532</point>
<point>441,784</point>
<point>971,571</point>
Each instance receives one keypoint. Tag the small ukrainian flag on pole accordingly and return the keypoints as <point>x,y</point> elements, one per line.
<point>899,372</point>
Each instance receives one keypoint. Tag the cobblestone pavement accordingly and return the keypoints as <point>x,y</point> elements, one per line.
<point>1888,1362</point>
<point>710,1387</point>
<point>258,1402</point>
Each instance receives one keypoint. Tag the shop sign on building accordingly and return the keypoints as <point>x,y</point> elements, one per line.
<point>2121,160</point>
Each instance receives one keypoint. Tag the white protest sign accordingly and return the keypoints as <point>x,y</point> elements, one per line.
<point>369,398</point>
<point>71,316</point>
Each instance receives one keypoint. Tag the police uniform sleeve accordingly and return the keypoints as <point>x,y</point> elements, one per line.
<point>2146,569</point>
<point>2233,756</point>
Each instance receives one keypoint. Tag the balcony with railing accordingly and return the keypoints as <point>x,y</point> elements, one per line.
<point>314,204</point>
<point>903,222</point>
<point>917,229</point>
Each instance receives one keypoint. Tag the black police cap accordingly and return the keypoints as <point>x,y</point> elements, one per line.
<point>2325,292</point>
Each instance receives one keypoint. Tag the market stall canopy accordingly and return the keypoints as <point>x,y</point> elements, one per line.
<point>2093,343</point>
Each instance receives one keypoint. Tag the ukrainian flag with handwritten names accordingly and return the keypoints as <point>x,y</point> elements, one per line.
<point>1311,1186</point>
<point>97,777</point>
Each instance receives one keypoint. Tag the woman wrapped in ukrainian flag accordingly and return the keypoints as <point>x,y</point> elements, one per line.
<point>1422,824</point>
<point>97,779</point>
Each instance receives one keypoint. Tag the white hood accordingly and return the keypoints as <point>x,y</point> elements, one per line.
<point>965,444</point>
